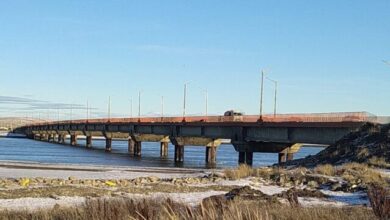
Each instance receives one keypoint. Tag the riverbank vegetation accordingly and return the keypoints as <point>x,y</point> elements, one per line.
<point>117,209</point>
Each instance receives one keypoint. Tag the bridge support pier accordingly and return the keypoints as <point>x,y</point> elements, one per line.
<point>290,156</point>
<point>163,149</point>
<point>73,139</point>
<point>89,141</point>
<point>43,137</point>
<point>179,153</point>
<point>245,157</point>
<point>211,155</point>
<point>281,157</point>
<point>62,139</point>
<point>50,137</point>
<point>130,146</point>
<point>108,144</point>
<point>137,148</point>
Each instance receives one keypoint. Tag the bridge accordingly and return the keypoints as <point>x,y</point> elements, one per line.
<point>282,133</point>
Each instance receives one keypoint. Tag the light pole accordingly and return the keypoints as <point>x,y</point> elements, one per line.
<point>139,104</point>
<point>131,107</point>
<point>261,95</point>
<point>109,108</point>
<point>162,106</point>
<point>206,97</point>
<point>87,110</point>
<point>185,99</point>
<point>275,94</point>
<point>71,112</point>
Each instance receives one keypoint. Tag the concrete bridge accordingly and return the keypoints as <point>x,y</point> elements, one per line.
<point>282,134</point>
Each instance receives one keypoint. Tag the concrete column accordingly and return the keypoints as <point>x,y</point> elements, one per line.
<point>290,156</point>
<point>249,158</point>
<point>50,138</point>
<point>89,141</point>
<point>59,139</point>
<point>137,148</point>
<point>179,153</point>
<point>130,146</point>
<point>282,157</point>
<point>43,137</point>
<point>241,157</point>
<point>73,139</point>
<point>163,149</point>
<point>62,141</point>
<point>211,155</point>
<point>245,158</point>
<point>108,144</point>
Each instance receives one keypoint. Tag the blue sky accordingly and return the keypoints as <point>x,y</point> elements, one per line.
<point>326,56</point>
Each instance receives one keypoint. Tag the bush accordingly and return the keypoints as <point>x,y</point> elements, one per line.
<point>326,169</point>
<point>102,209</point>
<point>380,201</point>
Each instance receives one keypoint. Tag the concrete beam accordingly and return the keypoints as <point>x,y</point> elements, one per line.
<point>195,141</point>
<point>150,138</point>
<point>112,135</point>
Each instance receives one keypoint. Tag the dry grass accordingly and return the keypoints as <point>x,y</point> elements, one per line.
<point>380,201</point>
<point>378,162</point>
<point>356,173</point>
<point>244,171</point>
<point>102,209</point>
<point>325,169</point>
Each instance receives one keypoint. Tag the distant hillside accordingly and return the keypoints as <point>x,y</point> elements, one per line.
<point>9,123</point>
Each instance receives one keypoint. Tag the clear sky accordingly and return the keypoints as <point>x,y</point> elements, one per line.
<point>326,55</point>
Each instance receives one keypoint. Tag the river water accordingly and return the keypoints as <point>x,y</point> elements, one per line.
<point>22,149</point>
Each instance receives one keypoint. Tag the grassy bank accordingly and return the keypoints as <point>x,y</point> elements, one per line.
<point>100,209</point>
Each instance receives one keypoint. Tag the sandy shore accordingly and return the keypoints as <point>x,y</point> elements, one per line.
<point>13,169</point>
<point>71,185</point>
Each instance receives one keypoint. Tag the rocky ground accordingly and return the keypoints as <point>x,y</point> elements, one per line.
<point>297,186</point>
<point>370,144</point>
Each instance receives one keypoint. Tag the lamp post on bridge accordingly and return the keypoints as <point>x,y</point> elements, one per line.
<point>275,93</point>
<point>261,95</point>
<point>131,107</point>
<point>109,108</point>
<point>185,99</point>
<point>162,107</point>
<point>207,102</point>
<point>139,105</point>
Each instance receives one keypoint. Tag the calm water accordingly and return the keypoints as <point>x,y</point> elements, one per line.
<point>29,150</point>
